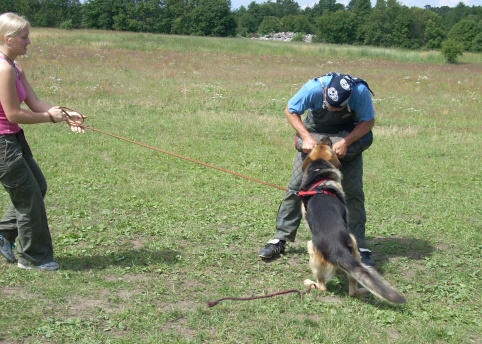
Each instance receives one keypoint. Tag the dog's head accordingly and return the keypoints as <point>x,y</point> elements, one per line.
<point>323,151</point>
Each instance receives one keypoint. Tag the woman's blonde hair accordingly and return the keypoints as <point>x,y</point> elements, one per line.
<point>11,24</point>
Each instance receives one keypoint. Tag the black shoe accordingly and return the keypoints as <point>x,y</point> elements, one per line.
<point>272,248</point>
<point>366,257</point>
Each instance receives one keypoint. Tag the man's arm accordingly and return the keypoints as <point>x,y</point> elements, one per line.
<point>295,120</point>
<point>357,133</point>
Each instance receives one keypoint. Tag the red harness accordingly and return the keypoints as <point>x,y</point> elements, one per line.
<point>313,191</point>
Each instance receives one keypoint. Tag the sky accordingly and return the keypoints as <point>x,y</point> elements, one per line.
<point>410,3</point>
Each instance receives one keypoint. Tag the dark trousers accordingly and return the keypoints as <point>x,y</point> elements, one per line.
<point>289,213</point>
<point>25,218</point>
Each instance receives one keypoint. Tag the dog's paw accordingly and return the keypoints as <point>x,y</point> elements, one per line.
<point>359,292</point>
<point>320,286</point>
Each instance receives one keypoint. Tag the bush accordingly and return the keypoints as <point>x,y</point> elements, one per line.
<point>298,37</point>
<point>451,49</point>
<point>317,39</point>
<point>66,25</point>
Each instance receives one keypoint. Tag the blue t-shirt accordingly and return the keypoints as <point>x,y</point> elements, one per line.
<point>310,97</point>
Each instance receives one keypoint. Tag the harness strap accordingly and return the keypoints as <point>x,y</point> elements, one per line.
<point>313,191</point>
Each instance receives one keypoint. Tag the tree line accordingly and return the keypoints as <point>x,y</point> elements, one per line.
<point>387,24</point>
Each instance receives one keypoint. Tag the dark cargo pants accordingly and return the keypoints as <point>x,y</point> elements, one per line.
<point>289,213</point>
<point>26,217</point>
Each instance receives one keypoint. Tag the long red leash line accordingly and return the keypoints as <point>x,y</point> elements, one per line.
<point>185,158</point>
<point>81,124</point>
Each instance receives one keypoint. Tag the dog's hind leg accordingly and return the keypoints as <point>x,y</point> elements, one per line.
<point>353,289</point>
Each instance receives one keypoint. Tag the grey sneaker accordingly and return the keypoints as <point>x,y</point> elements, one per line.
<point>272,248</point>
<point>6,249</point>
<point>366,256</point>
<point>45,267</point>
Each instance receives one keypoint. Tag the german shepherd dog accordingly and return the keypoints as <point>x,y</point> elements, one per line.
<point>332,247</point>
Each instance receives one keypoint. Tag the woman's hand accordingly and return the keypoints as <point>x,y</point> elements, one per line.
<point>75,120</point>
<point>56,114</point>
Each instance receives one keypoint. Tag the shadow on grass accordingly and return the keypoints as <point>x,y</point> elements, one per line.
<point>291,250</point>
<point>382,249</point>
<point>123,259</point>
<point>385,248</point>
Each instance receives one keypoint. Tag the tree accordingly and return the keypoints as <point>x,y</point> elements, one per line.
<point>465,32</point>
<point>333,6</point>
<point>389,25</point>
<point>169,21</point>
<point>7,6</point>
<point>433,35</point>
<point>336,27</point>
<point>247,24</point>
<point>213,18</point>
<point>375,27</point>
<point>456,14</point>
<point>99,14</point>
<point>285,8</point>
<point>269,25</point>
<point>45,13</point>
<point>261,11</point>
<point>37,13</point>
<point>137,15</point>
<point>147,14</point>
<point>250,19</point>
<point>361,9</point>
<point>317,10</point>
<point>398,26</point>
<point>181,25</point>
<point>477,43</point>
<point>298,23</point>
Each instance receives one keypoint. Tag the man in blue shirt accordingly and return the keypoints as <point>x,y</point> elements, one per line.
<point>341,107</point>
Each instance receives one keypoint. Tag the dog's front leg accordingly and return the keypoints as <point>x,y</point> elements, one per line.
<point>321,286</point>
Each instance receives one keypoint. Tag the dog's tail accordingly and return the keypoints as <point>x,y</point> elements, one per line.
<point>370,279</point>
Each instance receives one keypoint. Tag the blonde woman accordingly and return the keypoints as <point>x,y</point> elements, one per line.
<point>26,218</point>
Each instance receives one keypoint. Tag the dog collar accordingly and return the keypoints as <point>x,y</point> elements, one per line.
<point>312,191</point>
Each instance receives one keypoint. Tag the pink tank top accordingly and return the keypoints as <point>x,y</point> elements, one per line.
<point>6,127</point>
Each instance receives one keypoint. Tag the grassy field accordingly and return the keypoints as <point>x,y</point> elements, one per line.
<point>145,239</point>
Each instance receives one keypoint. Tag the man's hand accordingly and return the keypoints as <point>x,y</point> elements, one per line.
<point>340,148</point>
<point>309,143</point>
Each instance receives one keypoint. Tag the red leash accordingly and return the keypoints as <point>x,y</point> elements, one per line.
<point>81,124</point>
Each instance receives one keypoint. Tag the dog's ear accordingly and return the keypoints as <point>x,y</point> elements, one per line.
<point>325,140</point>
<point>306,162</point>
<point>334,160</point>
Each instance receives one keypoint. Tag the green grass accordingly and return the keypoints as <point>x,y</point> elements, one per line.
<point>145,239</point>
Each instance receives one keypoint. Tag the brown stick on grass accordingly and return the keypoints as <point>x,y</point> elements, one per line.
<point>301,293</point>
